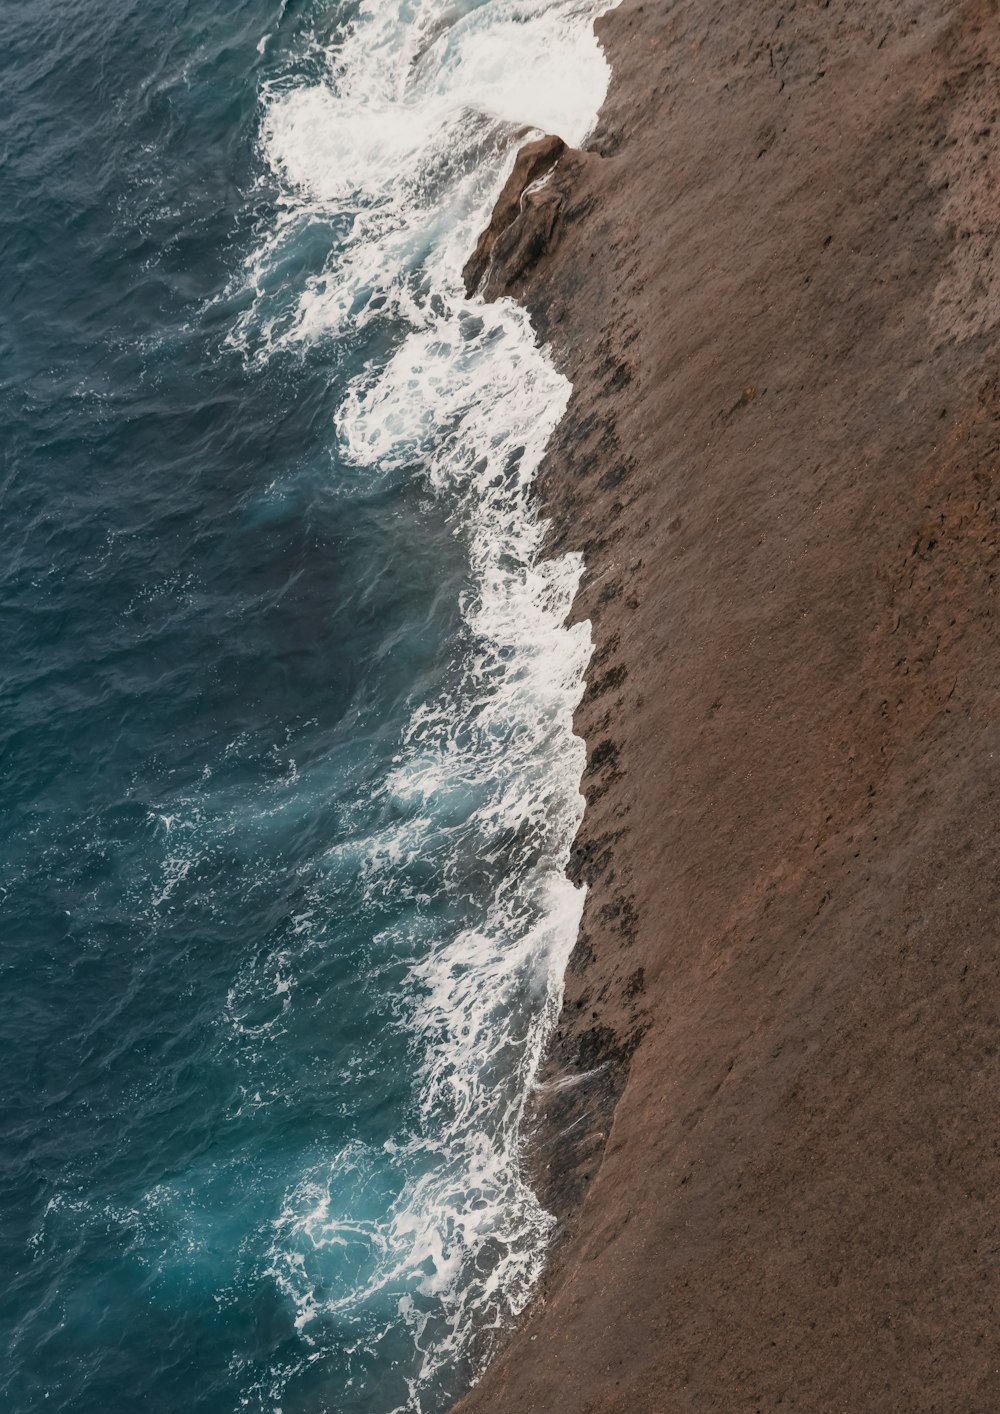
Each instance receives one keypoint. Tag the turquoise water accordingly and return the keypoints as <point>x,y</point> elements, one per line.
<point>289,779</point>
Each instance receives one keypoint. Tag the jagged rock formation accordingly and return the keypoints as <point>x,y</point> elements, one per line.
<point>522,223</point>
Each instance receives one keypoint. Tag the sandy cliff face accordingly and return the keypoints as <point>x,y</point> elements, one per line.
<point>771,280</point>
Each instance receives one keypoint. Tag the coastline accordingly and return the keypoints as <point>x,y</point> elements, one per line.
<point>765,1119</point>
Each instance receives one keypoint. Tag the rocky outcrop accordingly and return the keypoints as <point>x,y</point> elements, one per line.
<point>522,223</point>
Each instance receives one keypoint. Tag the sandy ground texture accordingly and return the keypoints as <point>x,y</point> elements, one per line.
<point>771,1120</point>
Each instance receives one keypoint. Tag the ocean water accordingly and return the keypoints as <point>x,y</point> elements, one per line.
<point>288,773</point>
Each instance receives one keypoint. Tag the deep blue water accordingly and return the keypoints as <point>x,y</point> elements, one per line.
<point>287,773</point>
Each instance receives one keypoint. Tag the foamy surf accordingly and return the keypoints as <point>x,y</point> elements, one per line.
<point>400,147</point>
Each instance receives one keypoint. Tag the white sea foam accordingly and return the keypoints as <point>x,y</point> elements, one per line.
<point>402,149</point>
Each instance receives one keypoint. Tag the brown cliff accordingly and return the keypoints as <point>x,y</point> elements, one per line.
<point>772,281</point>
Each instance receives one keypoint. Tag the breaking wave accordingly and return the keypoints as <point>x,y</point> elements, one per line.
<point>400,144</point>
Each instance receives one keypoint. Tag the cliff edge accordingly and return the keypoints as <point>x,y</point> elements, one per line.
<point>772,280</point>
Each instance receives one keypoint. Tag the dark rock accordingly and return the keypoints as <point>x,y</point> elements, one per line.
<point>522,221</point>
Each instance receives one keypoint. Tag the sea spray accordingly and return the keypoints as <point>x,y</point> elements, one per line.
<point>401,147</point>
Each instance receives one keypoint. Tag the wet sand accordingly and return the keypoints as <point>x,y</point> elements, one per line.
<point>772,280</point>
